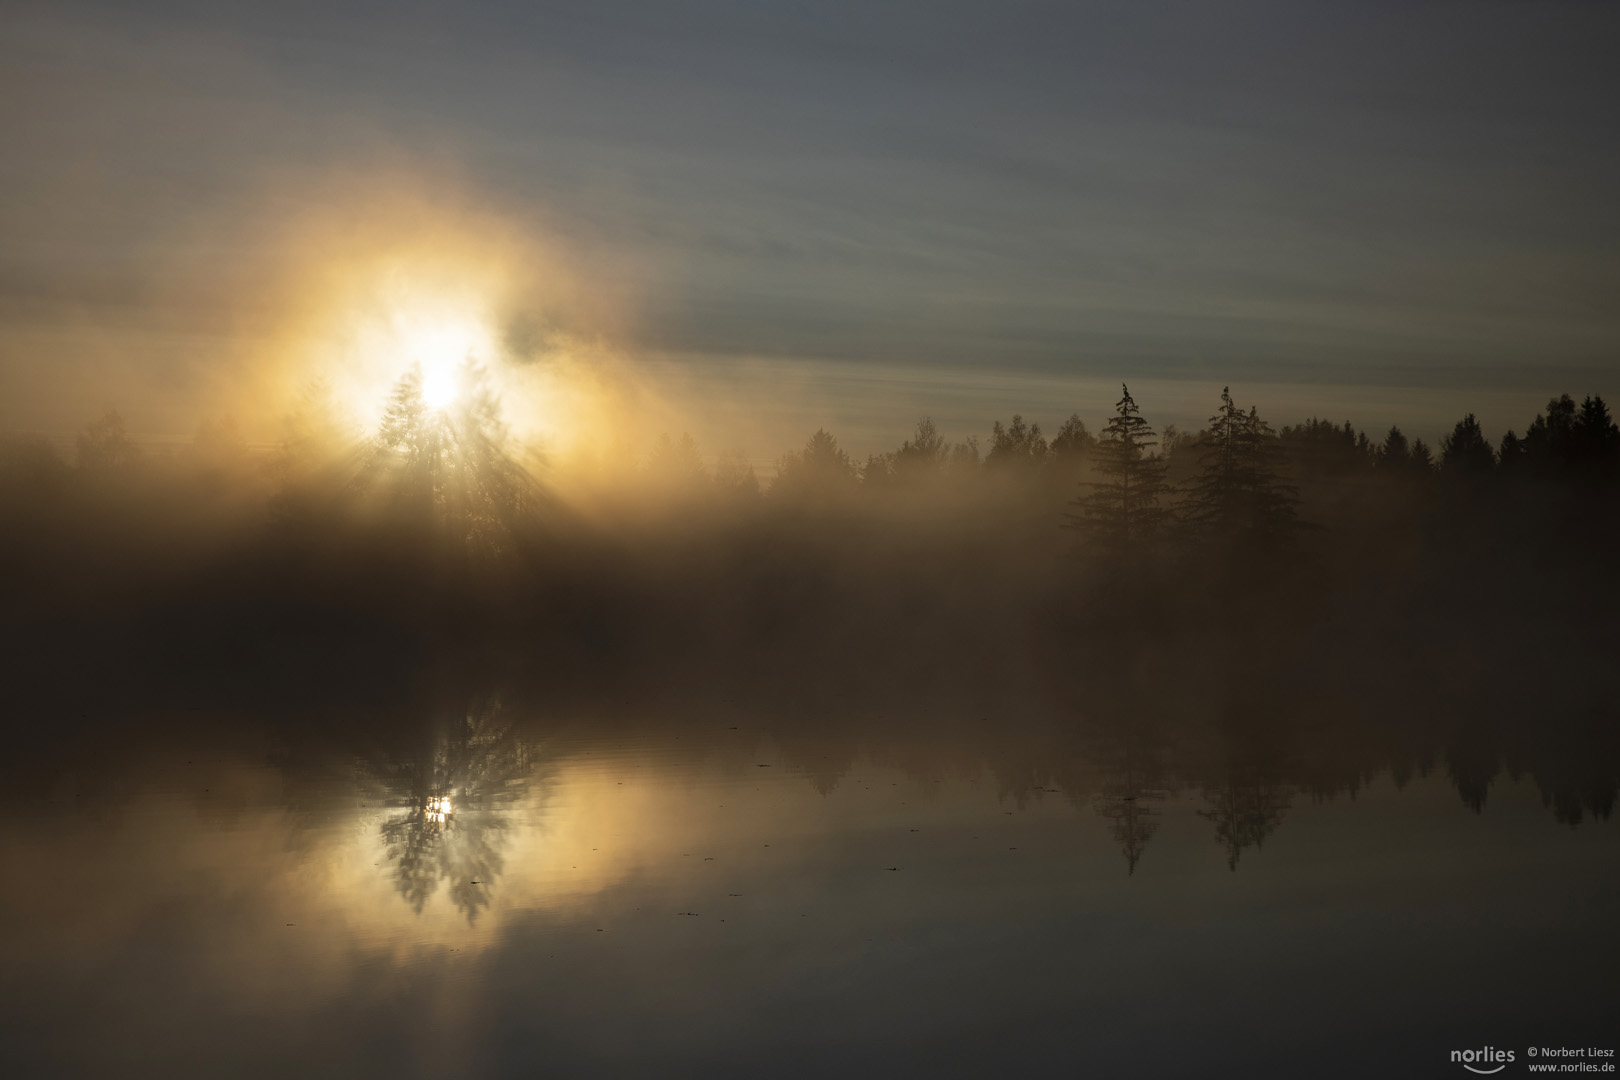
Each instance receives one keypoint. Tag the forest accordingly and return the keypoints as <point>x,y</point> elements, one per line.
<point>439,528</point>
<point>1244,609</point>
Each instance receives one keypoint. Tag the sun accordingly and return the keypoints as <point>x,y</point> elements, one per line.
<point>440,348</point>
<point>444,348</point>
<point>441,385</point>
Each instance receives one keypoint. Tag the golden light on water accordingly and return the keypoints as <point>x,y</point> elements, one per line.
<point>439,809</point>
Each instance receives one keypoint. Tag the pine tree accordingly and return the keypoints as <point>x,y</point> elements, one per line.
<point>922,457</point>
<point>408,428</point>
<point>1465,451</point>
<point>449,468</point>
<point>104,448</point>
<point>1123,508</point>
<point>1016,445</point>
<point>1245,810</point>
<point>821,468</point>
<point>1396,453</point>
<point>1238,495</point>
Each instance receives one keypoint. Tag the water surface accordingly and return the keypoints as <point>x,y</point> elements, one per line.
<point>485,886</point>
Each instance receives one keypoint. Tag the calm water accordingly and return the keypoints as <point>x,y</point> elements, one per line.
<point>485,890</point>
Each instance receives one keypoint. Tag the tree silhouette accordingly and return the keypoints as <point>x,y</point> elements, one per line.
<point>1572,441</point>
<point>1130,797</point>
<point>676,463</point>
<point>1123,508</point>
<point>104,447</point>
<point>1017,445</point>
<point>1245,809</point>
<point>820,468</point>
<point>448,470</point>
<point>1597,437</point>
<point>1318,449</point>
<point>1238,496</point>
<point>964,459</point>
<point>922,457</point>
<point>1395,453</point>
<point>1465,452</point>
<point>1071,451</point>
<point>734,476</point>
<point>1510,457</point>
<point>878,472</point>
<point>1551,437</point>
<point>450,809</point>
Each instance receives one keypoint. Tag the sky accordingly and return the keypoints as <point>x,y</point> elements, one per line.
<point>769,217</point>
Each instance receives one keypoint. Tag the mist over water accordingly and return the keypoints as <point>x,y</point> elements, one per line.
<point>634,539</point>
<point>416,753</point>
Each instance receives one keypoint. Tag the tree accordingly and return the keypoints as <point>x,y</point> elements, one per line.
<point>1582,440</point>
<point>1238,496</point>
<point>1465,452</point>
<point>820,468</point>
<point>315,432</point>
<point>1597,435</point>
<point>1130,798</point>
<point>104,447</point>
<point>449,808</point>
<point>1510,458</point>
<point>1017,445</point>
<point>963,460</point>
<point>878,472</point>
<point>1395,453</point>
<point>448,468</point>
<point>734,476</point>
<point>408,430</point>
<point>1551,437</point>
<point>675,463</point>
<point>1123,508</point>
<point>921,457</point>
<point>1072,441</point>
<point>1597,439</point>
<point>1245,809</point>
<point>1071,450</point>
<point>1319,449</point>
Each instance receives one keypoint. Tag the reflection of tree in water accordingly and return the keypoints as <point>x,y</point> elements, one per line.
<point>1129,798</point>
<point>1246,808</point>
<point>451,806</point>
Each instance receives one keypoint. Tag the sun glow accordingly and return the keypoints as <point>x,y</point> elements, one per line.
<point>447,327</point>
<point>439,349</point>
<point>440,386</point>
<point>435,340</point>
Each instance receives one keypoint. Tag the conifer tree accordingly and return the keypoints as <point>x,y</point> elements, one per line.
<point>104,448</point>
<point>1123,508</point>
<point>449,467</point>
<point>1465,451</point>
<point>1238,495</point>
<point>1016,445</point>
<point>921,457</point>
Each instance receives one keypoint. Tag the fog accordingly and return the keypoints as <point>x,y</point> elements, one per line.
<point>1312,572</point>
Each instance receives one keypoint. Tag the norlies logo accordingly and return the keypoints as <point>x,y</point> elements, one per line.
<point>1489,1056</point>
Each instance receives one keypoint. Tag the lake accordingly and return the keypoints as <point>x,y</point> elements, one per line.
<point>475,882</point>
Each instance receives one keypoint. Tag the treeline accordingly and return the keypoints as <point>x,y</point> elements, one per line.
<point>1126,482</point>
<point>440,524</point>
